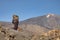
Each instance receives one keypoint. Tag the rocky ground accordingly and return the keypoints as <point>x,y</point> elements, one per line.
<point>10,34</point>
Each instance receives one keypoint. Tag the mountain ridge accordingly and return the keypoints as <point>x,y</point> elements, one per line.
<point>43,20</point>
<point>38,24</point>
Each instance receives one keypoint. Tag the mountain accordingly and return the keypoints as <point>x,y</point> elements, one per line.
<point>38,24</point>
<point>50,21</point>
<point>36,28</point>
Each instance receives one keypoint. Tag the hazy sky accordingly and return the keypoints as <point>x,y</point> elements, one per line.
<point>27,8</point>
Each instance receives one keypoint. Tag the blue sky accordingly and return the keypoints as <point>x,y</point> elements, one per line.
<point>27,8</point>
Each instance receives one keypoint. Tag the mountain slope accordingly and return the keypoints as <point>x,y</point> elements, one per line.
<point>37,28</point>
<point>38,24</point>
<point>50,21</point>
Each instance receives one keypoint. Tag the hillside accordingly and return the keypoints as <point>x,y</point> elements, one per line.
<point>50,21</point>
<point>10,34</point>
<point>38,24</point>
<point>36,28</point>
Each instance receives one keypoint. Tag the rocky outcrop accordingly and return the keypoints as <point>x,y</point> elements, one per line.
<point>10,34</point>
<point>51,35</point>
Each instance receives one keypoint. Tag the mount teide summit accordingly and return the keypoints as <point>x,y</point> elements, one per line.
<point>50,21</point>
